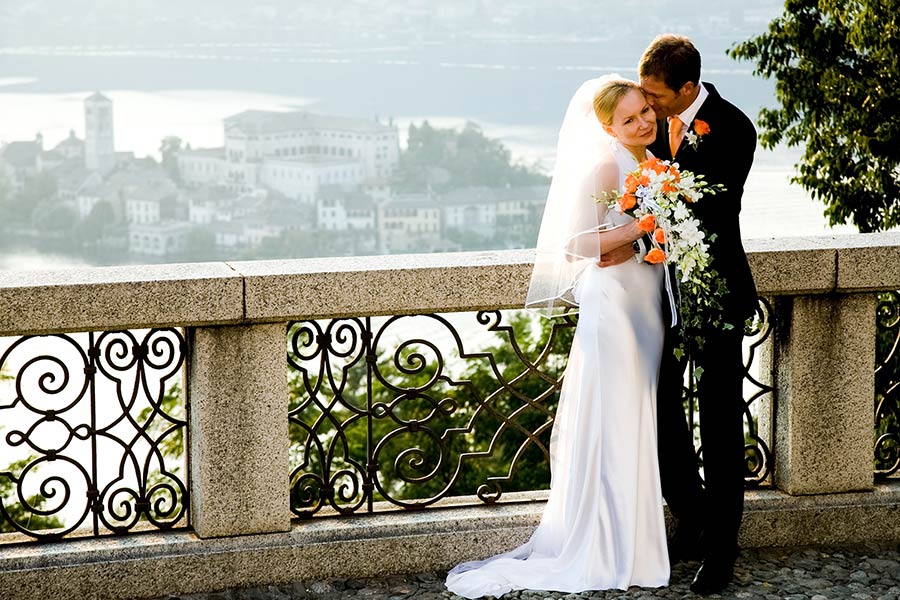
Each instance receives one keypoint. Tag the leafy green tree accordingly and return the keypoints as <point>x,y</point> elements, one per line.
<point>199,245</point>
<point>58,224</point>
<point>40,188</point>
<point>16,511</point>
<point>160,427</point>
<point>442,159</point>
<point>307,244</point>
<point>168,149</point>
<point>93,227</point>
<point>836,67</point>
<point>837,71</point>
<point>6,196</point>
<point>51,217</point>
<point>887,385</point>
<point>470,240</point>
<point>17,208</point>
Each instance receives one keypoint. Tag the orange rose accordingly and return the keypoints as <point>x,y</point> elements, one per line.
<point>627,202</point>
<point>644,180</point>
<point>631,184</point>
<point>701,127</point>
<point>654,164</point>
<point>668,187</point>
<point>659,235</point>
<point>655,256</point>
<point>675,173</point>
<point>647,223</point>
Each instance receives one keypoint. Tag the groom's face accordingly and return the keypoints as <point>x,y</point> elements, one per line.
<point>664,100</point>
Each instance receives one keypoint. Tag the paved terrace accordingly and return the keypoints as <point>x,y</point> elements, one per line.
<point>241,533</point>
<point>820,573</point>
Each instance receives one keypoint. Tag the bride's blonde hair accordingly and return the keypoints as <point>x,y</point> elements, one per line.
<point>608,97</point>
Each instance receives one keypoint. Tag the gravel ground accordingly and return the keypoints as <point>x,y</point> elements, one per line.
<point>858,573</point>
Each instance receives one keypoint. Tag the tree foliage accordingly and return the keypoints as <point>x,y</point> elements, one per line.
<point>9,498</point>
<point>442,159</point>
<point>836,65</point>
<point>40,188</point>
<point>20,513</point>
<point>168,150</point>
<point>93,228</point>
<point>305,244</point>
<point>199,245</point>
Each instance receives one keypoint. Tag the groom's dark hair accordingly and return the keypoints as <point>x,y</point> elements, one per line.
<point>672,59</point>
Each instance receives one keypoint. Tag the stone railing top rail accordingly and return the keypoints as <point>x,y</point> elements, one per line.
<point>205,294</point>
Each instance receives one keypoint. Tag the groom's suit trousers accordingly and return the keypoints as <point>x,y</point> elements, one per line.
<point>716,503</point>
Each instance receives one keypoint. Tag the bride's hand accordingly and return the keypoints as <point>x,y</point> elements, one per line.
<point>617,256</point>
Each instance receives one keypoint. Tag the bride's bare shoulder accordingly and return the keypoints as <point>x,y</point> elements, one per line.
<point>606,173</point>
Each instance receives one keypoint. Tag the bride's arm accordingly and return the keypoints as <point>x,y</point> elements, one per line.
<point>623,235</point>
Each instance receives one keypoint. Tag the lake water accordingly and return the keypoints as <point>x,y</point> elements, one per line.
<point>516,90</point>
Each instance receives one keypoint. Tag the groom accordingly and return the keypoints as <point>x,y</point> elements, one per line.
<point>708,135</point>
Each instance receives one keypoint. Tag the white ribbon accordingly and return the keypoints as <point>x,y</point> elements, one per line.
<point>649,204</point>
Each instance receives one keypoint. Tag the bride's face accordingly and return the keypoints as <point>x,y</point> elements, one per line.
<point>633,122</point>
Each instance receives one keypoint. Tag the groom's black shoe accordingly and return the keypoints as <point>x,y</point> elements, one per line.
<point>685,544</point>
<point>713,576</point>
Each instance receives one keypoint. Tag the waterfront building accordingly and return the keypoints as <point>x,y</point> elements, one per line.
<point>294,153</point>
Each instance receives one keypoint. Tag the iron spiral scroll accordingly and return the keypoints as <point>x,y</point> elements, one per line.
<point>378,420</point>
<point>887,385</point>
<point>95,433</point>
<point>757,453</point>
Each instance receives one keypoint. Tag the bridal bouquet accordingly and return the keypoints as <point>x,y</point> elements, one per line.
<point>659,189</point>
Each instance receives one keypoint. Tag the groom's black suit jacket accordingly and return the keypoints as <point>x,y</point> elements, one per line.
<point>724,155</point>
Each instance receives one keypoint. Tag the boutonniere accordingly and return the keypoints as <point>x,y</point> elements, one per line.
<point>698,130</point>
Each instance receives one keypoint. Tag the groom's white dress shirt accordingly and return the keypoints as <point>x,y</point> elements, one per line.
<point>688,115</point>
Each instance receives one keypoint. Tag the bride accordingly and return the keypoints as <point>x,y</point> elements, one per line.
<point>603,525</point>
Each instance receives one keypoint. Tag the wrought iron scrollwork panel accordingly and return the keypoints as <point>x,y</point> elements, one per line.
<point>758,399</point>
<point>887,385</point>
<point>92,438</point>
<point>403,410</point>
<point>758,394</point>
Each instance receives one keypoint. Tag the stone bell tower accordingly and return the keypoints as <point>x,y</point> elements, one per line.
<point>99,144</point>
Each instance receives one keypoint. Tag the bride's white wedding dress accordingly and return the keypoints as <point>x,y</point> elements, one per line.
<point>603,525</point>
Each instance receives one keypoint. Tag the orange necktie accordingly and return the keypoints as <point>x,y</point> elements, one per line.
<point>675,126</point>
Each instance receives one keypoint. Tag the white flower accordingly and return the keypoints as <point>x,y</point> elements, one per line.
<point>692,138</point>
<point>657,179</point>
<point>681,213</point>
<point>691,233</point>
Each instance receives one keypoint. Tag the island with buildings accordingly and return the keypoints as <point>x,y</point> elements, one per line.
<point>283,185</point>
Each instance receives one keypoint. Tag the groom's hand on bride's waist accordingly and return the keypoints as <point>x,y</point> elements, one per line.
<point>616,256</point>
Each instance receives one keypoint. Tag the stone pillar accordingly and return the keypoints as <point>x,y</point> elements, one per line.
<point>825,364</point>
<point>239,470</point>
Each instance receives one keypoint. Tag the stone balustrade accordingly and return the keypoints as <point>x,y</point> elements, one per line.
<point>235,314</point>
